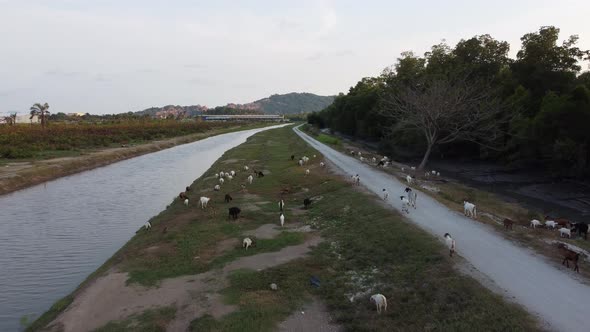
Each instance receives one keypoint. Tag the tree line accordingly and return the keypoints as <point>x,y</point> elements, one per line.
<point>474,101</point>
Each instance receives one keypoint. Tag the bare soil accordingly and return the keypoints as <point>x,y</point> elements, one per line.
<point>312,316</point>
<point>109,298</point>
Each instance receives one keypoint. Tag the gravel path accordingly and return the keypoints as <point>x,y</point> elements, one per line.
<point>557,298</point>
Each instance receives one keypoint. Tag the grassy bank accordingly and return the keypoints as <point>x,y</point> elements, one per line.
<point>367,248</point>
<point>48,165</point>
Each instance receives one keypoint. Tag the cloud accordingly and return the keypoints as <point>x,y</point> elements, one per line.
<point>329,20</point>
<point>314,57</point>
<point>62,73</point>
<point>338,54</point>
<point>100,78</point>
<point>200,81</point>
<point>194,66</point>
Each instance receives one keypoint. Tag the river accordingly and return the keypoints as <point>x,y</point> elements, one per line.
<point>53,235</point>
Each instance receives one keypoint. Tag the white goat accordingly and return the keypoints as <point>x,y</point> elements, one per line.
<point>565,231</point>
<point>148,225</point>
<point>246,168</point>
<point>433,172</point>
<point>314,156</point>
<point>221,174</point>
<point>307,171</point>
<point>450,244</point>
<point>412,197</point>
<point>322,164</point>
<point>300,162</point>
<point>282,219</point>
<point>374,160</point>
<point>221,180</point>
<point>437,173</point>
<point>204,200</point>
<point>469,209</point>
<point>535,223</point>
<point>247,243</point>
<point>413,168</point>
<point>230,177</point>
<point>217,187</point>
<point>550,224</point>
<point>186,202</point>
<point>250,179</point>
<point>385,194</point>
<point>305,159</point>
<point>232,173</point>
<point>216,175</point>
<point>362,159</point>
<point>405,204</point>
<point>380,302</point>
<point>408,179</point>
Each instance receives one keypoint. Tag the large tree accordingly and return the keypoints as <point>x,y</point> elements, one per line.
<point>40,110</point>
<point>445,109</point>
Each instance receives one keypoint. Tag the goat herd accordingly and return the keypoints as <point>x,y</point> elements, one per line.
<point>234,211</point>
<point>408,200</point>
<point>566,227</point>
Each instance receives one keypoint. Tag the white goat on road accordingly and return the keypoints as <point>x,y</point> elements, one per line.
<point>469,209</point>
<point>405,204</point>
<point>450,244</point>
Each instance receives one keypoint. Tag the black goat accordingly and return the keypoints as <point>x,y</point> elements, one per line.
<point>234,212</point>
<point>228,198</point>
<point>581,227</point>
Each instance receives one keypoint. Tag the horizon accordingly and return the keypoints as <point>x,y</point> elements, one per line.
<point>150,54</point>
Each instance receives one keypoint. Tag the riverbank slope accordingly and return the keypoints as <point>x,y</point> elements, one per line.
<point>22,174</point>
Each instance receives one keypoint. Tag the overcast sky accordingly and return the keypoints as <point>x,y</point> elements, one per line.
<point>112,56</point>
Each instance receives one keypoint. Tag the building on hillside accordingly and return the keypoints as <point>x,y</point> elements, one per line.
<point>27,119</point>
<point>243,117</point>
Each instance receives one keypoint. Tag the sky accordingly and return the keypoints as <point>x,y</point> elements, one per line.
<point>114,56</point>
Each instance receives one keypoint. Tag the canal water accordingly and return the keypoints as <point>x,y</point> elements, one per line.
<point>53,235</point>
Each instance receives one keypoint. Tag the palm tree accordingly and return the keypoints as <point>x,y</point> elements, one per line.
<point>10,120</point>
<point>40,111</point>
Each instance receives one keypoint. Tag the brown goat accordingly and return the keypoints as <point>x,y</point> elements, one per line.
<point>568,255</point>
<point>560,221</point>
<point>508,223</point>
<point>183,195</point>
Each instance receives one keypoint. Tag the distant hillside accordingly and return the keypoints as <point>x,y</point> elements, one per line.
<point>291,103</point>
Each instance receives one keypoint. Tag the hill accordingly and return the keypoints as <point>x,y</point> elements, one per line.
<point>290,103</point>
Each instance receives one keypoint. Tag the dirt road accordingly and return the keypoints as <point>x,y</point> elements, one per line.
<point>554,295</point>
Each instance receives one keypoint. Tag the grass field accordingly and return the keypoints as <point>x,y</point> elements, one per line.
<point>367,249</point>
<point>27,141</point>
